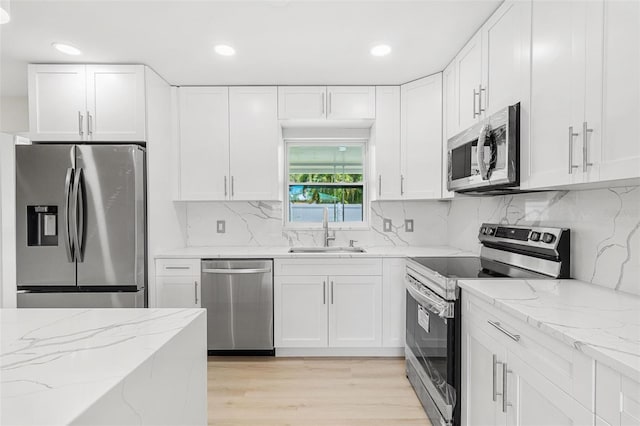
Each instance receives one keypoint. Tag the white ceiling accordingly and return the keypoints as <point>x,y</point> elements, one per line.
<point>277,42</point>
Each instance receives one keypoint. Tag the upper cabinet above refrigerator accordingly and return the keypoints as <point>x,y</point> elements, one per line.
<point>322,102</point>
<point>101,103</point>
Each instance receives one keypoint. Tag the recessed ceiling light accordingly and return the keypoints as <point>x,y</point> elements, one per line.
<point>381,50</point>
<point>224,50</point>
<point>66,48</point>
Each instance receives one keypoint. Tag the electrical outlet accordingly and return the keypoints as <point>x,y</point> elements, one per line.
<point>408,225</point>
<point>221,226</point>
<point>386,225</point>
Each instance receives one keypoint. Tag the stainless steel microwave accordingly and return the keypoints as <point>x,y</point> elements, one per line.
<point>486,157</point>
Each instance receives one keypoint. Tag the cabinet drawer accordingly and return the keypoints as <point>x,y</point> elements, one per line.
<point>324,266</point>
<point>177,267</point>
<point>567,368</point>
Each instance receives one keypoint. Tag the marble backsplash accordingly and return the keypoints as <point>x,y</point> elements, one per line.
<point>261,224</point>
<point>604,227</point>
<point>605,241</point>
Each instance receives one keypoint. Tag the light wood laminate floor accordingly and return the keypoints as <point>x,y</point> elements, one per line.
<point>311,391</point>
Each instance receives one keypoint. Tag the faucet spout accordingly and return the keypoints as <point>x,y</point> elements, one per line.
<point>325,227</point>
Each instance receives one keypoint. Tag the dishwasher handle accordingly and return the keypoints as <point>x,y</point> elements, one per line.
<point>236,271</point>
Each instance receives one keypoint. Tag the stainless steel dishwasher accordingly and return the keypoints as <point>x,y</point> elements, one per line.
<point>238,296</point>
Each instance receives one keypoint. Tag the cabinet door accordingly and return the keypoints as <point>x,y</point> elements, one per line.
<point>616,150</point>
<point>116,103</point>
<point>506,39</point>
<point>254,143</point>
<point>534,400</point>
<point>421,138</point>
<point>355,311</point>
<point>449,122</point>
<point>469,69</point>
<point>351,102</point>
<point>178,291</point>
<point>557,94</point>
<point>481,376</point>
<point>393,303</point>
<point>386,146</point>
<point>300,311</point>
<point>57,101</point>
<point>204,143</point>
<point>302,102</point>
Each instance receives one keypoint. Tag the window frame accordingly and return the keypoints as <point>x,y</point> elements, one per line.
<point>336,142</point>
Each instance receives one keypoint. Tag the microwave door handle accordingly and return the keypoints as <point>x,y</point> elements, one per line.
<point>482,138</point>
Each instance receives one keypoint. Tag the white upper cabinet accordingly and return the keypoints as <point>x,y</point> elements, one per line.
<point>557,94</point>
<point>57,100</point>
<point>421,138</point>
<point>204,143</point>
<point>322,102</point>
<point>386,144</point>
<point>351,102</point>
<point>302,102</point>
<point>87,103</point>
<point>614,145</point>
<point>254,143</point>
<point>505,45</point>
<point>116,103</point>
<point>469,88</point>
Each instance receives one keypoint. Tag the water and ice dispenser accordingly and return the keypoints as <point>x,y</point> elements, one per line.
<point>42,225</point>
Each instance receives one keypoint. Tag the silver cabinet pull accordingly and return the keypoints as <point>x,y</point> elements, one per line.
<point>324,292</point>
<point>497,325</point>
<point>323,103</point>
<point>480,109</point>
<point>225,186</point>
<point>177,267</point>
<point>233,192</point>
<point>475,94</point>
<point>505,401</point>
<point>495,378</point>
<point>585,146</point>
<point>195,291</point>
<point>401,184</point>
<point>379,185</point>
<point>329,113</point>
<point>571,136</point>
<point>89,124</point>
<point>332,292</point>
<point>80,124</point>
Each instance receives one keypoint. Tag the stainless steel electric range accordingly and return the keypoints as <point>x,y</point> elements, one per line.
<point>433,304</point>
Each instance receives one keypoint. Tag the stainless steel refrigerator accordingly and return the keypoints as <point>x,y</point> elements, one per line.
<point>81,225</point>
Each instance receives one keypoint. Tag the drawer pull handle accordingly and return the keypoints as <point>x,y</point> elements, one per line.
<point>177,267</point>
<point>514,337</point>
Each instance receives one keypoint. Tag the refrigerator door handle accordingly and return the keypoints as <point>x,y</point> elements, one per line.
<point>67,219</point>
<point>78,196</point>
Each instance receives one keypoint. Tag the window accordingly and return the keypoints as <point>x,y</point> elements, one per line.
<point>326,175</point>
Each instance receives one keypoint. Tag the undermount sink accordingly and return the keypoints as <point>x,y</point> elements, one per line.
<point>327,250</point>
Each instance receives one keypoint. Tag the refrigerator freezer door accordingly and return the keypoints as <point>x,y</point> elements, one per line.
<point>134,299</point>
<point>44,247</point>
<point>109,187</point>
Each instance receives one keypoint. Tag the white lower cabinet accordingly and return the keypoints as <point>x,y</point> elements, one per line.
<point>394,302</point>
<point>178,283</point>
<point>336,303</point>
<point>178,291</point>
<point>617,398</point>
<point>514,375</point>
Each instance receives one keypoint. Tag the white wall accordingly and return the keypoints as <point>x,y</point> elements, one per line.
<point>14,114</point>
<point>7,222</point>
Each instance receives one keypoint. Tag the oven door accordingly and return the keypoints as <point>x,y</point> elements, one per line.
<point>430,351</point>
<point>486,156</point>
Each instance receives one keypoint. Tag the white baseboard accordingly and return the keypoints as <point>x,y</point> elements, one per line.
<point>340,352</point>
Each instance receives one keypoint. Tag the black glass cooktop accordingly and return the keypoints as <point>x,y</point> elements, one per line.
<point>472,267</point>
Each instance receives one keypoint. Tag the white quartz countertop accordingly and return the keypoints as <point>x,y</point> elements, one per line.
<point>600,322</point>
<point>56,363</point>
<point>283,252</point>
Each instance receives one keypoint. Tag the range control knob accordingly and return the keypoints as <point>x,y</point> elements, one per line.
<point>535,236</point>
<point>548,238</point>
<point>490,231</point>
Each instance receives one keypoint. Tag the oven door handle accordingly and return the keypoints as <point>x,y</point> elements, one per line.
<point>428,299</point>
